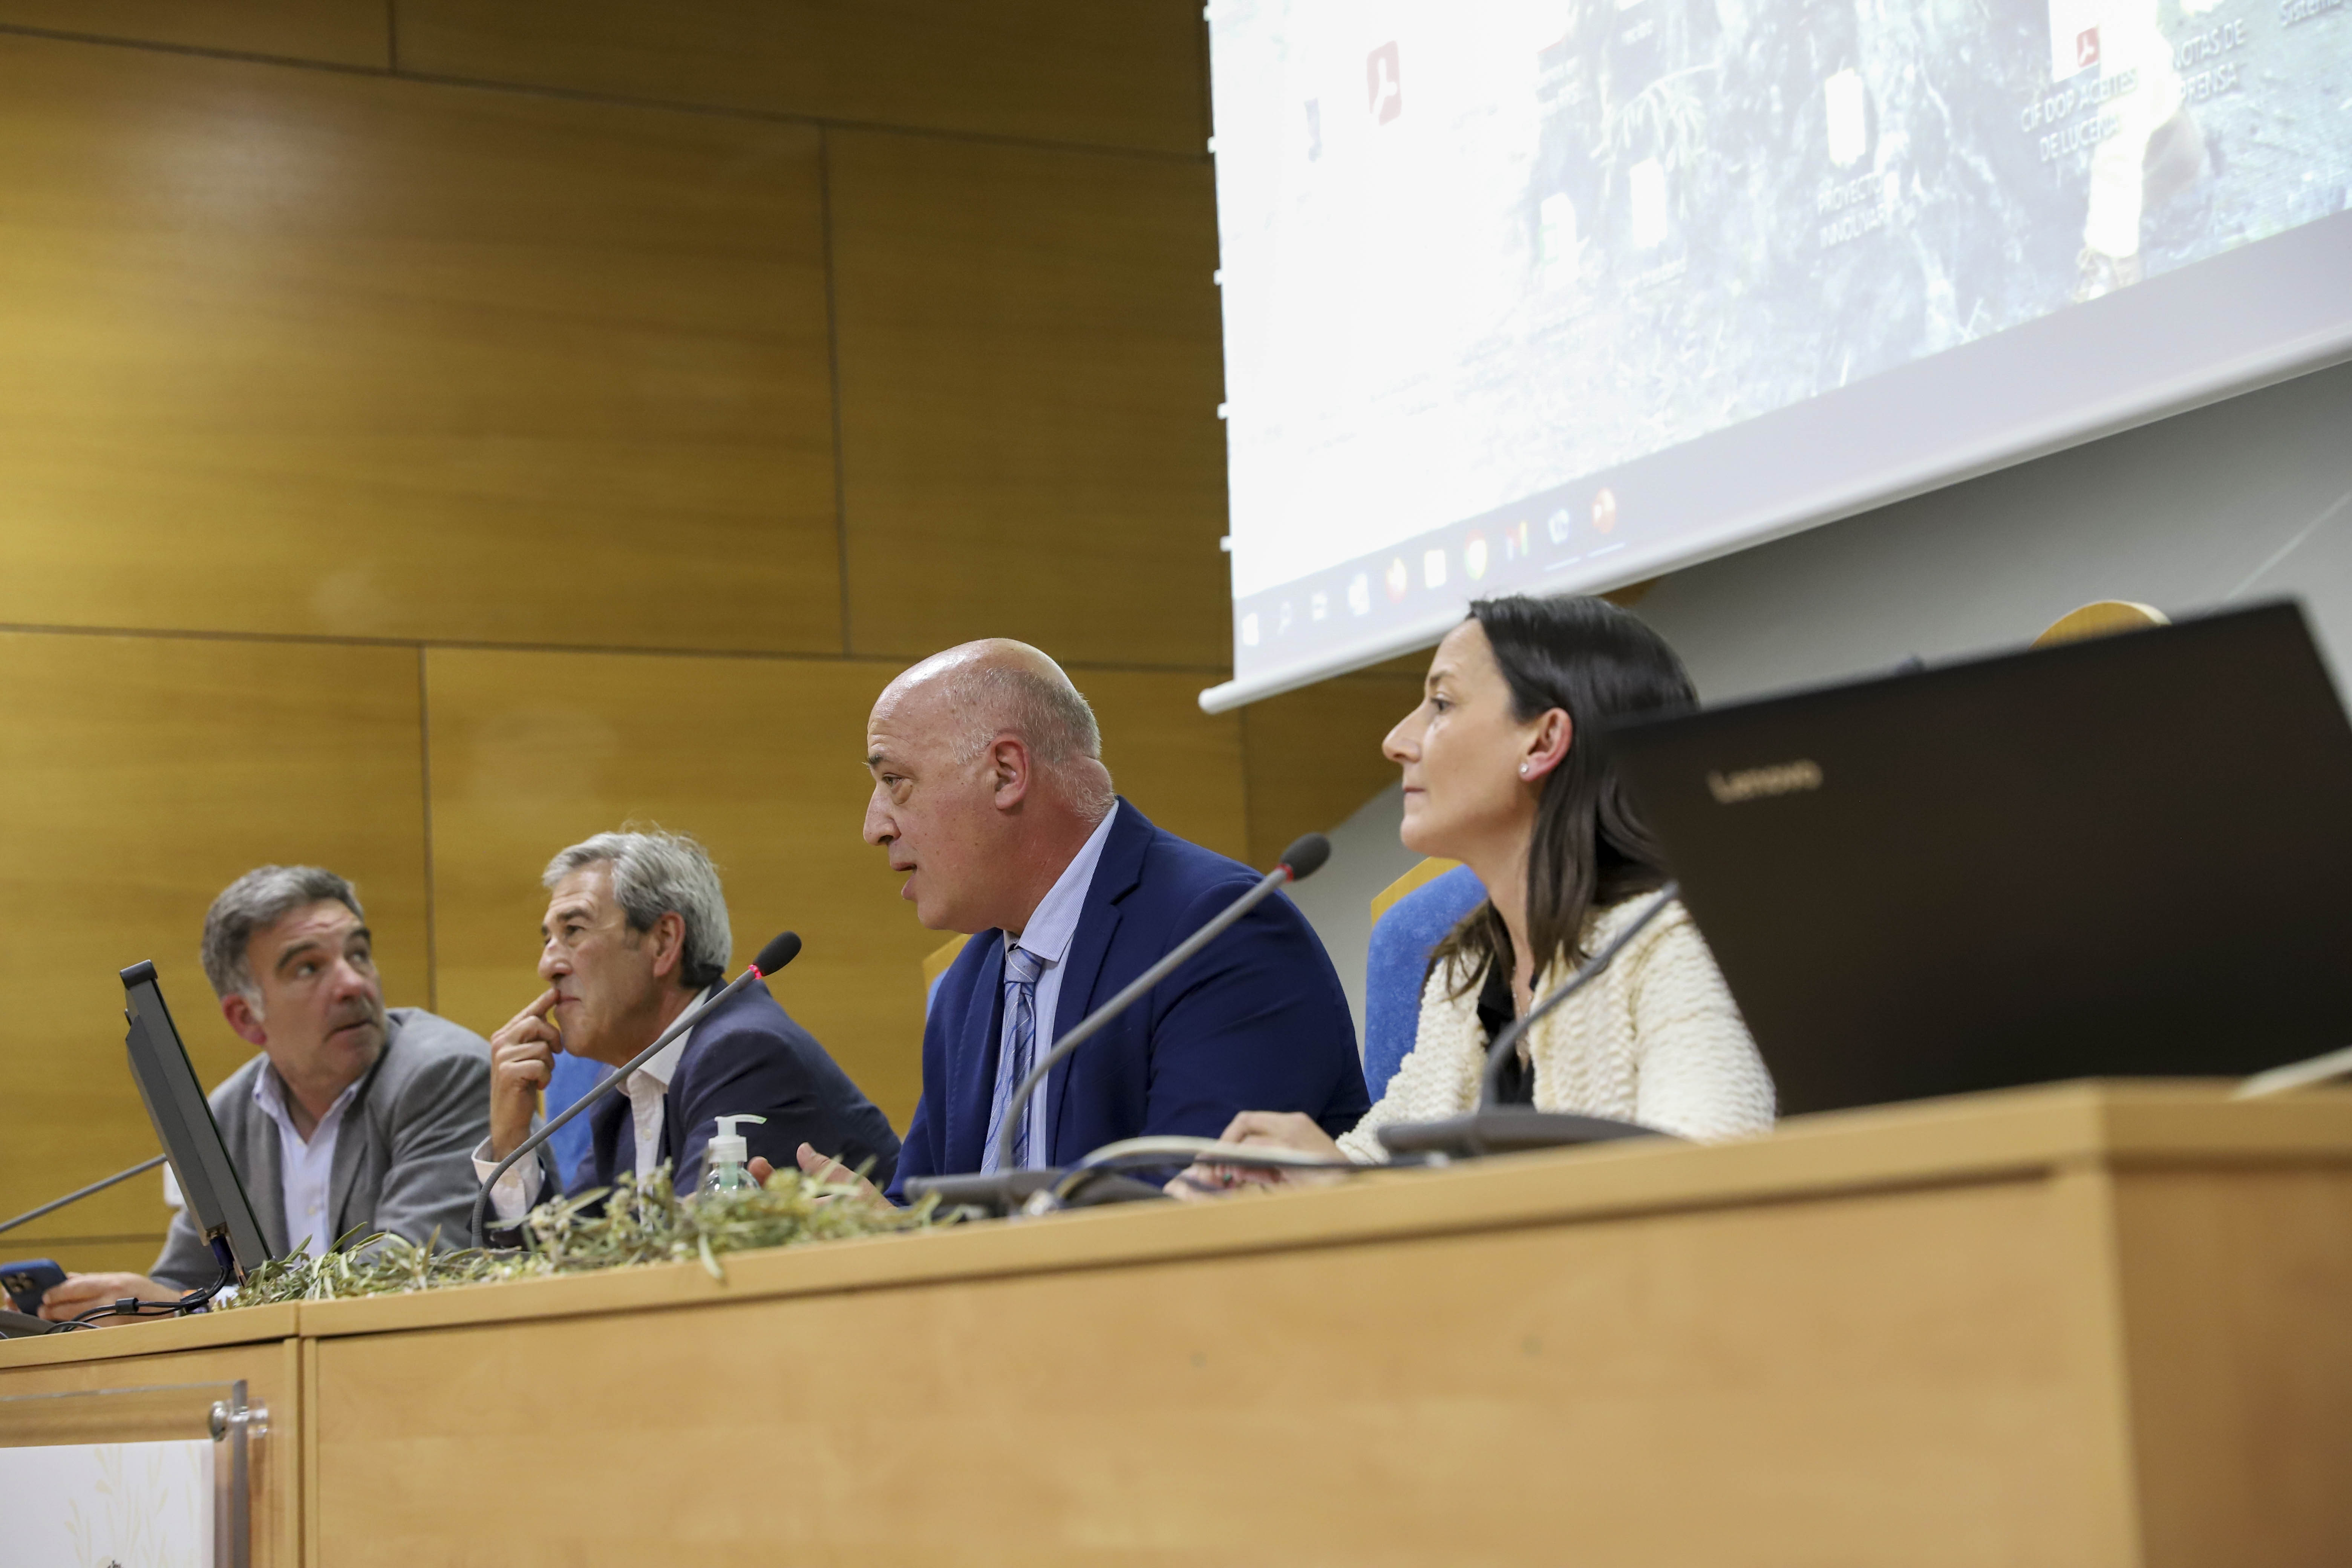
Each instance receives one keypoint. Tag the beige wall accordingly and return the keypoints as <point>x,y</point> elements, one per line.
<point>430,433</point>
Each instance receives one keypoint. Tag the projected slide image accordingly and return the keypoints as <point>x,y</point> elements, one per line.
<point>1478,257</point>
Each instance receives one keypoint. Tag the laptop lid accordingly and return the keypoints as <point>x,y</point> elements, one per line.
<point>2124,857</point>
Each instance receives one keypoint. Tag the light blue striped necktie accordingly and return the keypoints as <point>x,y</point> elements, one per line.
<point>1021,968</point>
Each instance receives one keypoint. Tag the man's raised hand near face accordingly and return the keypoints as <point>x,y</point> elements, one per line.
<point>522,1062</point>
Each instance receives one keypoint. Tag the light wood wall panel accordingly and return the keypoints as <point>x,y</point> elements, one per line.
<point>138,776</point>
<point>1181,767</point>
<point>1128,74</point>
<point>130,1253</point>
<point>764,761</point>
<point>332,32</point>
<point>761,761</point>
<point>1313,755</point>
<point>300,351</point>
<point>1030,370</point>
<point>294,350</point>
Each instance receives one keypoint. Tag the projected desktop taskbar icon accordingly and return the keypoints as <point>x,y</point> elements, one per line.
<point>1383,85</point>
<point>1555,541</point>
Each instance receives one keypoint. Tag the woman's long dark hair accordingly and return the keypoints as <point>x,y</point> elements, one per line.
<point>1591,848</point>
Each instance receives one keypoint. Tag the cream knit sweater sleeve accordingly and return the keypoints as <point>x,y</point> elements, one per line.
<point>1655,1038</point>
<point>1697,1072</point>
<point>1438,1077</point>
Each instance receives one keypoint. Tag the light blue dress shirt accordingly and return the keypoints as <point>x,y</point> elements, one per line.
<point>1047,938</point>
<point>305,1165</point>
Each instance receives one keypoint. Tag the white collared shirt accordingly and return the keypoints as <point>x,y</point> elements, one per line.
<point>518,1188</point>
<point>306,1166</point>
<point>1047,937</point>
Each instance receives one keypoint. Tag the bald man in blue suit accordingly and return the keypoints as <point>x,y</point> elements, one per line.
<point>990,796</point>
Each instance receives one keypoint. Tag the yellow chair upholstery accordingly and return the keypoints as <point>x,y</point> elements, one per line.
<point>936,964</point>
<point>2102,617</point>
<point>1428,871</point>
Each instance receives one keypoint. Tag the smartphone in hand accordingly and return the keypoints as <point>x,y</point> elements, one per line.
<point>28,1281</point>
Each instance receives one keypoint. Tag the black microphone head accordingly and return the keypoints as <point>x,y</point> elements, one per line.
<point>779,953</point>
<point>1306,856</point>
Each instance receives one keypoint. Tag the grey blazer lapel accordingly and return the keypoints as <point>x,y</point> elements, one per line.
<point>252,1139</point>
<point>354,1140</point>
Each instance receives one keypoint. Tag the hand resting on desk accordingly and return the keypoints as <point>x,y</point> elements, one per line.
<point>82,1293</point>
<point>1263,1128</point>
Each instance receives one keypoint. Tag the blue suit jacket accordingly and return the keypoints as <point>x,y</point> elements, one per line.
<point>746,1054</point>
<point>1256,1021</point>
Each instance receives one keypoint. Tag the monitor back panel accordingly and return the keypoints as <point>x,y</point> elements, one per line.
<point>184,1121</point>
<point>2126,857</point>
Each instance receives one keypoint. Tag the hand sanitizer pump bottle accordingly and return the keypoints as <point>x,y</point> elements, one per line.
<point>722,1163</point>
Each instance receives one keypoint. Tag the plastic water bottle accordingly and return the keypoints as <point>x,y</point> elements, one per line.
<point>723,1168</point>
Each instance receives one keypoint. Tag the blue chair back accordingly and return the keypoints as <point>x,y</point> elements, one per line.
<point>573,1078</point>
<point>1397,958</point>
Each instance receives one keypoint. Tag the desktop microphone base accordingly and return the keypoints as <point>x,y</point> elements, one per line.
<point>1000,1193</point>
<point>1506,1131</point>
<point>20,1325</point>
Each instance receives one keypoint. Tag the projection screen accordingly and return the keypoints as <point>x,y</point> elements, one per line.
<point>1555,297</point>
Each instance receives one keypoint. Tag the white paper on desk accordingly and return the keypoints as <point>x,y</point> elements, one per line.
<point>87,1505</point>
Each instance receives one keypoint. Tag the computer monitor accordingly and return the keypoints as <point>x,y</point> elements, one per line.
<point>183,1122</point>
<point>2120,857</point>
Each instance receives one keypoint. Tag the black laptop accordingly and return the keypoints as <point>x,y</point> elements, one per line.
<point>2130,857</point>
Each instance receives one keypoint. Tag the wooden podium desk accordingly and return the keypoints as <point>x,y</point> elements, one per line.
<point>2091,1324</point>
<point>258,1347</point>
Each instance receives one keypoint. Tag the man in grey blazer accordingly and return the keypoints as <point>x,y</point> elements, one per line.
<point>354,1118</point>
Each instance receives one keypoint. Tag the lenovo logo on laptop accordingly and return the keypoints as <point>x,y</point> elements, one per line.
<point>1761,783</point>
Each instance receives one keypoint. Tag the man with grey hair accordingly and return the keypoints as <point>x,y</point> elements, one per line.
<point>636,932</point>
<point>354,1119</point>
<point>991,795</point>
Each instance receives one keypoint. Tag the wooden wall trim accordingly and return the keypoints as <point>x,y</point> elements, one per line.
<point>764,655</point>
<point>394,71</point>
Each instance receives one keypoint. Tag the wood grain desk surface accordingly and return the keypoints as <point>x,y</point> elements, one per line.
<point>2082,1323</point>
<point>1973,1137</point>
<point>1979,1137</point>
<point>205,1331</point>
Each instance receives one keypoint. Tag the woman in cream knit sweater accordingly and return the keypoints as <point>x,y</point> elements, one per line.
<point>1656,1039</point>
<point>1500,774</point>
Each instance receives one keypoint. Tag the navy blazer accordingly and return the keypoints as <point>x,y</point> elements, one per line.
<point>746,1054</point>
<point>1255,1021</point>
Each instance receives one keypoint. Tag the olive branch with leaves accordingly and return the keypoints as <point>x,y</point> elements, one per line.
<point>639,1223</point>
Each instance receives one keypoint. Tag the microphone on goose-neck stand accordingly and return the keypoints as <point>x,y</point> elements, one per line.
<point>1005,1189</point>
<point>773,957</point>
